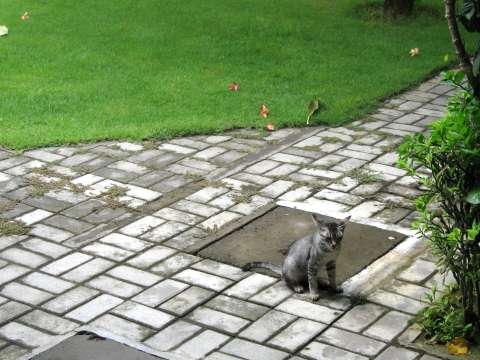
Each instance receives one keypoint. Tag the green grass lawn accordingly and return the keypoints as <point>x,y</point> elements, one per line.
<point>135,69</point>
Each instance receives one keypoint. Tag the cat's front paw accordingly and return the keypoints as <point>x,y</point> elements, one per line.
<point>313,296</point>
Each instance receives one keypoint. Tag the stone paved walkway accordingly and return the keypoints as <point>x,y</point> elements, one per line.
<point>122,258</point>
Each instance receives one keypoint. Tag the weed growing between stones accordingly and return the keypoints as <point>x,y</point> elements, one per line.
<point>13,227</point>
<point>332,139</point>
<point>363,176</point>
<point>49,181</point>
<point>112,197</point>
<point>245,194</point>
<point>194,177</point>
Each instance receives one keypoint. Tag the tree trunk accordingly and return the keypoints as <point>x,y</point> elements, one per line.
<point>394,8</point>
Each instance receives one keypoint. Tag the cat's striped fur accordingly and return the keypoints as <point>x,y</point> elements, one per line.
<point>309,254</point>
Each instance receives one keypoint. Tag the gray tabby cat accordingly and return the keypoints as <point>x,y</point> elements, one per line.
<point>307,255</point>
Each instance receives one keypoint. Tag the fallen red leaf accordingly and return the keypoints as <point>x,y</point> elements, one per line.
<point>234,86</point>
<point>25,16</point>
<point>270,127</point>
<point>264,111</point>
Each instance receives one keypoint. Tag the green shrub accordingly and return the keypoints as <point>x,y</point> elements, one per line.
<point>450,208</point>
<point>443,319</point>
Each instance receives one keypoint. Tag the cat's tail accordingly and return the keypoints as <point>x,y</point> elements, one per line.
<point>261,264</point>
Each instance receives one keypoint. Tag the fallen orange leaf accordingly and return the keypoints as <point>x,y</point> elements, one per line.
<point>234,86</point>
<point>270,127</point>
<point>25,16</point>
<point>457,346</point>
<point>264,111</point>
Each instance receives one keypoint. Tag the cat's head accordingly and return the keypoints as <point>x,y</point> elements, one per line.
<point>331,230</point>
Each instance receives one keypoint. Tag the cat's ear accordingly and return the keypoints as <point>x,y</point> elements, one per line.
<point>342,224</point>
<point>318,219</point>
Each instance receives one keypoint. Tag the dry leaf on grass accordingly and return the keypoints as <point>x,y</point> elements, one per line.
<point>264,111</point>
<point>234,86</point>
<point>270,127</point>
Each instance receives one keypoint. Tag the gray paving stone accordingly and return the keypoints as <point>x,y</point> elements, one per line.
<point>50,233</point>
<point>360,317</point>
<point>277,188</point>
<point>94,308</point>
<point>115,287</point>
<point>48,322</point>
<point>272,295</point>
<point>410,290</point>
<point>198,164</point>
<point>367,209</point>
<point>107,251</point>
<point>388,326</point>
<point>297,334</point>
<point>69,300</point>
<point>253,179</point>
<point>150,179</point>
<point>220,269</point>
<point>187,300</point>
<point>250,286</point>
<point>143,314</point>
<point>151,256</point>
<point>47,282</point>
<point>265,327</point>
<point>418,272</point>
<point>207,194</point>
<point>23,257</point>
<point>142,225</point>
<point>173,335</point>
<point>309,310</point>
<point>338,196</point>
<point>12,352</point>
<point>83,209</point>
<point>88,270</point>
<point>298,194</point>
<point>352,342</point>
<point>230,156</point>
<point>221,356</point>
<point>210,153</point>
<point>11,310</point>
<point>34,216</point>
<point>125,242</point>
<point>218,320</point>
<point>202,279</point>
<point>237,307</point>
<point>122,327</point>
<point>26,294</point>
<point>69,224</point>
<point>171,183</point>
<point>397,302</point>
<point>47,203</point>
<point>11,272</point>
<point>247,208</point>
<point>398,354</point>
<point>196,208</point>
<point>202,344</point>
<point>45,247</point>
<point>326,174</point>
<point>24,334</point>
<point>66,263</point>
<point>174,264</point>
<point>135,276</point>
<point>319,351</point>
<point>252,351</point>
<point>161,292</point>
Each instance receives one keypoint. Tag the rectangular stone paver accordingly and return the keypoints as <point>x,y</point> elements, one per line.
<point>88,270</point>
<point>143,314</point>
<point>70,299</point>
<point>269,324</point>
<point>157,294</point>
<point>24,334</point>
<point>173,335</point>
<point>233,306</point>
<point>47,282</point>
<point>49,322</point>
<point>199,278</point>
<point>218,320</point>
<point>202,344</point>
<point>352,342</point>
<point>249,286</point>
<point>122,327</point>
<point>11,310</point>
<point>309,310</point>
<point>397,354</point>
<point>319,351</point>
<point>26,294</point>
<point>187,300</point>
<point>133,275</point>
<point>66,263</point>
<point>360,317</point>
<point>252,351</point>
<point>114,286</point>
<point>297,334</point>
<point>389,326</point>
<point>94,308</point>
